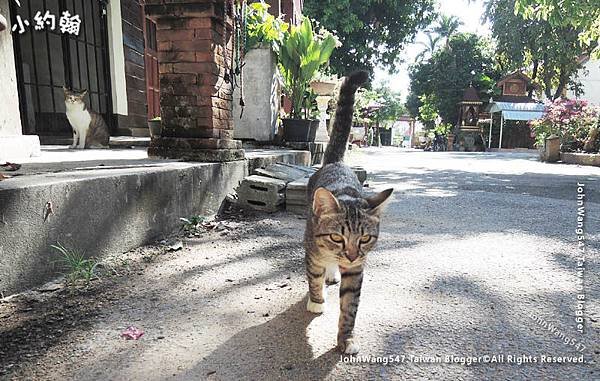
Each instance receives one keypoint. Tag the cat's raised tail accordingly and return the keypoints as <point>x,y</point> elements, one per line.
<point>343,117</point>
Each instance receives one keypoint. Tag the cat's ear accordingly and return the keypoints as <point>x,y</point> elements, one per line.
<point>324,202</point>
<point>84,93</point>
<point>378,201</point>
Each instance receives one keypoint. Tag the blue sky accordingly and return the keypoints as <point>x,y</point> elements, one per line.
<point>470,14</point>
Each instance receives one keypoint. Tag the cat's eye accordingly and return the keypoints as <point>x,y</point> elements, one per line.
<point>336,238</point>
<point>365,238</point>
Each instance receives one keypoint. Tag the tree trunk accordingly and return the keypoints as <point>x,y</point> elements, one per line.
<point>536,65</point>
<point>562,83</point>
<point>547,78</point>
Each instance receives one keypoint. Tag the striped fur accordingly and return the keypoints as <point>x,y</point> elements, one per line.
<point>342,122</point>
<point>342,225</point>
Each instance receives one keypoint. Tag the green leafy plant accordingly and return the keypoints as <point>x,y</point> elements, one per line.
<point>192,224</point>
<point>76,265</point>
<point>443,129</point>
<point>262,28</point>
<point>428,112</point>
<point>302,53</point>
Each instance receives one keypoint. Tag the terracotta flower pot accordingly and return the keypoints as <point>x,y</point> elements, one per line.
<point>322,87</point>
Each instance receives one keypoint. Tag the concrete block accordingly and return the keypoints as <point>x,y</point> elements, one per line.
<point>580,158</point>
<point>261,193</point>
<point>361,173</point>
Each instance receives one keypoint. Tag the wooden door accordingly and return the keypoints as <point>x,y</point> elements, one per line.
<point>151,66</point>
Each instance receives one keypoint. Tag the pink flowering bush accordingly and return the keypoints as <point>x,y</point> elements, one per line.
<point>570,119</point>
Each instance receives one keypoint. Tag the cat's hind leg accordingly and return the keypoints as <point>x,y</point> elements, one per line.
<point>316,283</point>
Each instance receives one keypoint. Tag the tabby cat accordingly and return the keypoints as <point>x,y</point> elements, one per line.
<point>89,129</point>
<point>343,222</point>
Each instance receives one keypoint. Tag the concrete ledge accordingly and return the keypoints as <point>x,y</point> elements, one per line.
<point>580,158</point>
<point>17,147</point>
<point>515,150</point>
<point>101,210</point>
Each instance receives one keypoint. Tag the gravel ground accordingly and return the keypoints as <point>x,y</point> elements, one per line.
<point>477,256</point>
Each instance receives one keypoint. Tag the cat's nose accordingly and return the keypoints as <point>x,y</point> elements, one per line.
<point>351,256</point>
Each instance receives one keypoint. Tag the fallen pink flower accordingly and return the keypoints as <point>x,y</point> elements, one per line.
<point>132,333</point>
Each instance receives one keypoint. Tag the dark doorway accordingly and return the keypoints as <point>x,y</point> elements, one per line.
<point>47,60</point>
<point>385,134</point>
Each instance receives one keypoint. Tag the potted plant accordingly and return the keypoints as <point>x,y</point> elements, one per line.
<point>324,85</point>
<point>301,55</point>
<point>155,127</point>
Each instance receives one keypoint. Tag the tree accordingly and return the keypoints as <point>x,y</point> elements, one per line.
<point>372,32</point>
<point>581,15</point>
<point>430,46</point>
<point>428,112</point>
<point>444,78</point>
<point>550,52</point>
<point>390,105</point>
<point>447,26</point>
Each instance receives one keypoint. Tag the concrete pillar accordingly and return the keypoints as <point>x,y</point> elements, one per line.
<point>551,152</point>
<point>14,146</point>
<point>195,98</point>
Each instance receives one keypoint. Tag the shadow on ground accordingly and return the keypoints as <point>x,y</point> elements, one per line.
<point>277,349</point>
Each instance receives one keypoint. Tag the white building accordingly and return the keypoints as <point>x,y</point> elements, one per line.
<point>589,76</point>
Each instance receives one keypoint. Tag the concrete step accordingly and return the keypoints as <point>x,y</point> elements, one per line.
<point>134,131</point>
<point>105,202</point>
<point>128,141</point>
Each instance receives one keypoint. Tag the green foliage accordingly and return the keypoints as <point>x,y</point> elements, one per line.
<point>390,106</point>
<point>192,224</point>
<point>446,27</point>
<point>372,32</point>
<point>581,15</point>
<point>428,112</point>
<point>429,47</point>
<point>551,51</point>
<point>469,59</point>
<point>75,264</point>
<point>443,129</point>
<point>303,52</point>
<point>262,28</point>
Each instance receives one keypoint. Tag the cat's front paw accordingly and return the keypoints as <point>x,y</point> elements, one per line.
<point>315,308</point>
<point>332,275</point>
<point>349,347</point>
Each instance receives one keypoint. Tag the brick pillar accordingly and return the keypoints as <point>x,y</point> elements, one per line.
<point>195,101</point>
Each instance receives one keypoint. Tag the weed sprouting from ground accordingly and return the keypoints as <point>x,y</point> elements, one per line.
<point>77,267</point>
<point>191,226</point>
